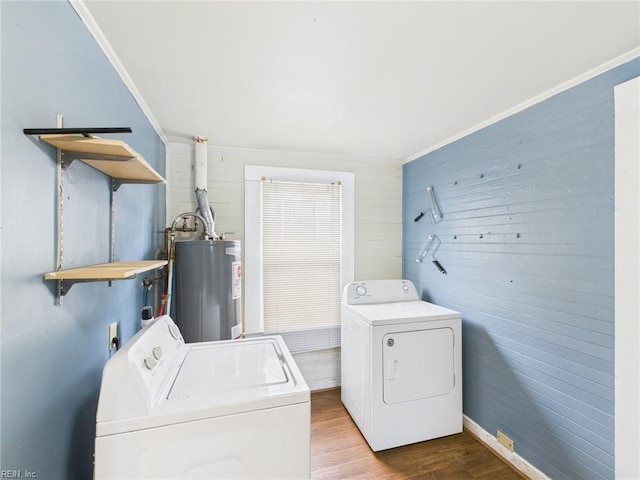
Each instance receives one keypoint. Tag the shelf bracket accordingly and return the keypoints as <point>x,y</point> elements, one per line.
<point>118,182</point>
<point>70,157</point>
<point>59,211</point>
<point>66,284</point>
<point>112,221</point>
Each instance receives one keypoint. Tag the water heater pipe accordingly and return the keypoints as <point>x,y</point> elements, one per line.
<point>201,185</point>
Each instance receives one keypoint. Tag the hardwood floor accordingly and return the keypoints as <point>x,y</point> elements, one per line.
<point>338,451</point>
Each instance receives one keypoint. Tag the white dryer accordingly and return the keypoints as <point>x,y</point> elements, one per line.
<point>401,364</point>
<point>222,409</point>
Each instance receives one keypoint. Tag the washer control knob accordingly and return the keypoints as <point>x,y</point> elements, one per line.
<point>361,290</point>
<point>150,362</point>
<point>405,288</point>
<point>390,342</point>
<point>175,332</point>
<point>157,353</point>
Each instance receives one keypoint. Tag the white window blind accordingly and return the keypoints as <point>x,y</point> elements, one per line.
<point>301,263</point>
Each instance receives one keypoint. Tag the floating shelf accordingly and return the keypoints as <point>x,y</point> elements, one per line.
<point>112,157</point>
<point>102,272</point>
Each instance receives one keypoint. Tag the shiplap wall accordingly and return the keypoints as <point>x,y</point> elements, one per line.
<point>527,243</point>
<point>378,212</point>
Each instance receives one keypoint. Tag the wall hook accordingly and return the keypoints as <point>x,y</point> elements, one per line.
<point>431,244</point>
<point>435,209</point>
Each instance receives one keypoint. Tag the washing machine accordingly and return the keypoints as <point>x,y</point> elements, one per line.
<point>221,409</point>
<point>401,364</point>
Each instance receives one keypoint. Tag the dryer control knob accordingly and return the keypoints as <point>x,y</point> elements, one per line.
<point>405,288</point>
<point>361,290</point>
<point>150,362</point>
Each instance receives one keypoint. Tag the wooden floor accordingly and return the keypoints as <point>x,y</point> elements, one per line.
<point>338,451</point>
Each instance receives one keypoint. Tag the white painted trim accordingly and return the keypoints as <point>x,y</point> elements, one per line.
<point>627,279</point>
<point>85,15</point>
<point>537,99</point>
<point>512,458</point>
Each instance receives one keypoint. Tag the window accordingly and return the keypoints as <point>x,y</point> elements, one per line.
<point>299,253</point>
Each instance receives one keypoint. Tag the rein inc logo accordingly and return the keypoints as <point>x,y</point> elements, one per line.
<point>18,474</point>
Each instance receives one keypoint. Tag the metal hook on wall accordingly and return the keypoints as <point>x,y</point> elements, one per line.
<point>425,247</point>
<point>435,212</point>
<point>431,244</point>
<point>435,209</point>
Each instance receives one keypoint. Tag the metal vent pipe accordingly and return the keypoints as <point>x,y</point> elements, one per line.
<point>201,185</point>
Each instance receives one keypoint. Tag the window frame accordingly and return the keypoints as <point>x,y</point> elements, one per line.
<point>253,175</point>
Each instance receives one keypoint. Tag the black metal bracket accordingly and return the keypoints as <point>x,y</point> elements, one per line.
<point>70,157</point>
<point>67,283</point>
<point>118,182</point>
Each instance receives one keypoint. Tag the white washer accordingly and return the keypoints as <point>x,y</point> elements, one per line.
<point>224,409</point>
<point>401,364</point>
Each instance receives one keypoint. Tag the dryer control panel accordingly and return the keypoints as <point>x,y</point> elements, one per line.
<point>379,291</point>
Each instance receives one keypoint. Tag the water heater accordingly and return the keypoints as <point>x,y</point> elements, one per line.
<point>208,289</point>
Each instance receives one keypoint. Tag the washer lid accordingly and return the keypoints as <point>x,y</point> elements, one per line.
<point>231,367</point>
<point>203,381</point>
<point>402,312</point>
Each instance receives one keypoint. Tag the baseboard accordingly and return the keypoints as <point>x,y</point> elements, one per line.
<point>512,458</point>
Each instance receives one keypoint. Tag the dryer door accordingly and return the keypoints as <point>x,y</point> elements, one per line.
<point>417,364</point>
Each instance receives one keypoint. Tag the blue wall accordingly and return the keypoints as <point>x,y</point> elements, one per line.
<point>52,356</point>
<point>527,242</point>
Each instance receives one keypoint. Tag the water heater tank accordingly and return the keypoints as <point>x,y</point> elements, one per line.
<point>208,289</point>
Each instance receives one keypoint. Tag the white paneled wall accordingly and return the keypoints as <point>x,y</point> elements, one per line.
<point>378,197</point>
<point>378,229</point>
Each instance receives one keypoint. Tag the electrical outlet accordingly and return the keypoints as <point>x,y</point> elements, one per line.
<point>504,440</point>
<point>113,334</point>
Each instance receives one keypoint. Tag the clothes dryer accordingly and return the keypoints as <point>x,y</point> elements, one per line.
<point>221,409</point>
<point>401,364</point>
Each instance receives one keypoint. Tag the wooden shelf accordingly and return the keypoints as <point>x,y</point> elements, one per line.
<point>102,272</point>
<point>112,157</point>
<point>106,271</point>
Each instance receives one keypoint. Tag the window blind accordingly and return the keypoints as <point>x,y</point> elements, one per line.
<point>301,263</point>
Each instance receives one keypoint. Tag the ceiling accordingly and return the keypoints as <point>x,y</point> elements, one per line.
<point>372,79</point>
